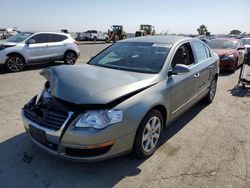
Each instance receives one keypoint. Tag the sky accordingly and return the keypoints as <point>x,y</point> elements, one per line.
<point>174,16</point>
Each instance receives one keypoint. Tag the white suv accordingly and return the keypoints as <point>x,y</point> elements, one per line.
<point>29,47</point>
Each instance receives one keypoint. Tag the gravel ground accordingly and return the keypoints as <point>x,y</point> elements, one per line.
<point>209,146</point>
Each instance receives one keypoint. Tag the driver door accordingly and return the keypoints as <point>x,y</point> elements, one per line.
<point>39,50</point>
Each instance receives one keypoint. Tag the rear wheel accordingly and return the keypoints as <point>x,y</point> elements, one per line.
<point>212,91</point>
<point>70,58</point>
<point>148,134</point>
<point>116,38</point>
<point>14,63</point>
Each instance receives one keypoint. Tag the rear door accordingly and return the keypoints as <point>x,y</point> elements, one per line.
<point>39,50</point>
<point>206,64</point>
<point>56,46</point>
<point>182,87</point>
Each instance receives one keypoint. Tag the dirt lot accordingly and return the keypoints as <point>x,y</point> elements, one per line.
<point>209,146</point>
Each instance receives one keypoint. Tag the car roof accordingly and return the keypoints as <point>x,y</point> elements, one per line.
<point>157,39</point>
<point>49,32</point>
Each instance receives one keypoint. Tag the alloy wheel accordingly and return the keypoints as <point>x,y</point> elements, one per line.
<point>15,64</point>
<point>71,58</point>
<point>151,134</point>
<point>212,89</point>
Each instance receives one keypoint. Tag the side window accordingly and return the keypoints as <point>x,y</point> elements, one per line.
<point>208,51</point>
<point>200,51</point>
<point>57,38</point>
<point>41,38</point>
<point>183,55</point>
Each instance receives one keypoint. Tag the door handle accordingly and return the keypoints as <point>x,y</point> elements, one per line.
<point>197,75</point>
<point>211,66</point>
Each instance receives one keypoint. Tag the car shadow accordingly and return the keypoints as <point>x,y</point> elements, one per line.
<point>239,91</point>
<point>182,121</point>
<point>32,67</point>
<point>20,159</point>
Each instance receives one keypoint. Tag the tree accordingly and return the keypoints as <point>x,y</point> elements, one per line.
<point>235,32</point>
<point>202,30</point>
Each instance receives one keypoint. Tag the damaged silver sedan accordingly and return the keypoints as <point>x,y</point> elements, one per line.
<point>121,100</point>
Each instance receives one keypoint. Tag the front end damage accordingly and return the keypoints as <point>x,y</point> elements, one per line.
<point>50,125</point>
<point>53,120</point>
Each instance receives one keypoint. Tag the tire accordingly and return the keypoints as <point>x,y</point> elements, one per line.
<point>148,134</point>
<point>116,38</point>
<point>235,66</point>
<point>14,63</point>
<point>95,39</point>
<point>107,40</point>
<point>208,99</point>
<point>70,58</point>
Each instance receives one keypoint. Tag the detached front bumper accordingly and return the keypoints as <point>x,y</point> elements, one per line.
<point>80,144</point>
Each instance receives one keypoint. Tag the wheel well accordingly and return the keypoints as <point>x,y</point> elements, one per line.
<point>163,111</point>
<point>18,54</point>
<point>216,76</point>
<point>69,51</point>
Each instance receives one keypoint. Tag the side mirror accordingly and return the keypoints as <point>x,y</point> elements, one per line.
<point>179,69</point>
<point>31,41</point>
<point>241,48</point>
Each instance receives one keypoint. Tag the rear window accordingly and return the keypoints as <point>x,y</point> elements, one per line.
<point>57,38</point>
<point>200,51</point>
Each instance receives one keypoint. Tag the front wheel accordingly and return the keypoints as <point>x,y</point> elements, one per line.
<point>148,134</point>
<point>212,91</point>
<point>14,63</point>
<point>70,58</point>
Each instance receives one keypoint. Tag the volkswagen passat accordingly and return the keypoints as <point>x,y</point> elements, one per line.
<point>121,100</point>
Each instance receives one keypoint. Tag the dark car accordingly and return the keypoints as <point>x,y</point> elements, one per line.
<point>231,52</point>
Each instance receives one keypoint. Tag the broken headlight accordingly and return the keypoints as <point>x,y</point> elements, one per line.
<point>99,119</point>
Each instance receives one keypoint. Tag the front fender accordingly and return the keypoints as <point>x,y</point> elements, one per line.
<point>136,107</point>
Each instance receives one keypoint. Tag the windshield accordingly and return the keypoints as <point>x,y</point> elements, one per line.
<point>132,56</point>
<point>19,37</point>
<point>222,44</point>
<point>246,41</point>
<point>145,27</point>
<point>115,28</point>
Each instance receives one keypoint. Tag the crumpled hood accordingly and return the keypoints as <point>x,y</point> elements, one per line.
<point>222,52</point>
<point>88,84</point>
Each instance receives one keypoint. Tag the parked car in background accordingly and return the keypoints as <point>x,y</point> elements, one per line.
<point>95,35</point>
<point>206,39</point>
<point>34,47</point>
<point>121,100</point>
<point>231,52</point>
<point>246,42</point>
<point>7,32</point>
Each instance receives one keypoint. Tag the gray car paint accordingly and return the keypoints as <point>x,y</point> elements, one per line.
<point>175,94</point>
